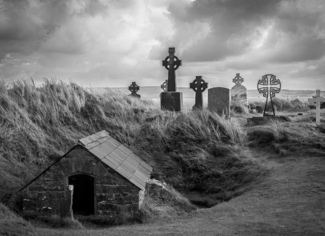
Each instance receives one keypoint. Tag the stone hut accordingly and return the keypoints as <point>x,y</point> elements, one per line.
<point>98,176</point>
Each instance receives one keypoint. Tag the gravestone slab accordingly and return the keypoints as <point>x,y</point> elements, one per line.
<point>171,101</point>
<point>239,92</point>
<point>219,100</point>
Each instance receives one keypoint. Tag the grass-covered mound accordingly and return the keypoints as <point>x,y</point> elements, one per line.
<point>283,104</point>
<point>11,224</point>
<point>198,153</point>
<point>303,138</point>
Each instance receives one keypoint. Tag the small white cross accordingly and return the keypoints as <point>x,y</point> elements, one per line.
<point>317,106</point>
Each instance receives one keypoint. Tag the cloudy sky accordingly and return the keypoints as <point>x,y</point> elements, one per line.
<point>111,43</point>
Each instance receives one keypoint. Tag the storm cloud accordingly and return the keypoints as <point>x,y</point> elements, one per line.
<point>113,42</point>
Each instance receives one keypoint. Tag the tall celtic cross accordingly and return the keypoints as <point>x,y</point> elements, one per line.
<point>198,85</point>
<point>269,86</point>
<point>171,63</point>
<point>134,88</point>
<point>238,79</point>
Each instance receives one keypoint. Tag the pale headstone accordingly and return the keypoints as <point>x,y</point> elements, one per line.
<point>239,92</point>
<point>219,100</point>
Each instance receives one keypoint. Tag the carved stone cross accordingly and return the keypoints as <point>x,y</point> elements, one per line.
<point>198,85</point>
<point>171,63</point>
<point>238,79</point>
<point>134,88</point>
<point>164,86</point>
<point>269,86</point>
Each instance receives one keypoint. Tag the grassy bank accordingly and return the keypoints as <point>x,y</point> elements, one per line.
<point>198,153</point>
<point>204,157</point>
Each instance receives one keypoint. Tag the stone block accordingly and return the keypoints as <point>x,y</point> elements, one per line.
<point>65,166</point>
<point>219,100</point>
<point>171,101</point>
<point>99,169</point>
<point>89,166</point>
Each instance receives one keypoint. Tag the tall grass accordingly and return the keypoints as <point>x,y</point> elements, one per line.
<point>284,104</point>
<point>195,151</point>
<point>301,138</point>
<point>11,224</point>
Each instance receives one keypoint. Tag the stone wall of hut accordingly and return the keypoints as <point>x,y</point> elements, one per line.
<point>49,194</point>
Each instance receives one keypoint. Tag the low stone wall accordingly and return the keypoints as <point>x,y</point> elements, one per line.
<point>115,194</point>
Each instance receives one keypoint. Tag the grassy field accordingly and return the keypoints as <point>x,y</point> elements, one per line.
<point>290,201</point>
<point>260,180</point>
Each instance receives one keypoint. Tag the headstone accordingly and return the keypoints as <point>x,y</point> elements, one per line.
<point>164,86</point>
<point>239,92</point>
<point>198,85</point>
<point>269,86</point>
<point>170,99</point>
<point>134,88</point>
<point>219,100</point>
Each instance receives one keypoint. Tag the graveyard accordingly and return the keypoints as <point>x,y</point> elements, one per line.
<point>209,172</point>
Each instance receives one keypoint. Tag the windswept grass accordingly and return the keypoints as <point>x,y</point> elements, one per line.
<point>197,152</point>
<point>11,224</point>
<point>283,137</point>
<point>193,151</point>
<point>284,104</point>
<point>38,124</point>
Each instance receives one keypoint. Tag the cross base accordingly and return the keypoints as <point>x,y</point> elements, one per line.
<point>171,101</point>
<point>269,108</point>
<point>135,95</point>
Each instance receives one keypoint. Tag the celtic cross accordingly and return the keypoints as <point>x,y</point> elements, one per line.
<point>171,63</point>
<point>269,86</point>
<point>198,85</point>
<point>134,88</point>
<point>238,79</point>
<point>164,86</point>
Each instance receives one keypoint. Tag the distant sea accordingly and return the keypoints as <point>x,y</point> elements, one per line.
<point>153,92</point>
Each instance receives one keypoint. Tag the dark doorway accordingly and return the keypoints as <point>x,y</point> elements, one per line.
<point>83,194</point>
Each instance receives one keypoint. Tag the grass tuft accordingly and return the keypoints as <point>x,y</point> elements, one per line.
<point>11,224</point>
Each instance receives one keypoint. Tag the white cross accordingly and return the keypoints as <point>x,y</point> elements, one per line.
<point>317,100</point>
<point>317,106</point>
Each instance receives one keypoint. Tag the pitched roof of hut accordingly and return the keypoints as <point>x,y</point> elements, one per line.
<point>118,157</point>
<point>113,154</point>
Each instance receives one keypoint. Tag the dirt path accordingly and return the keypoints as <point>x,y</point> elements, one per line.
<point>290,201</point>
